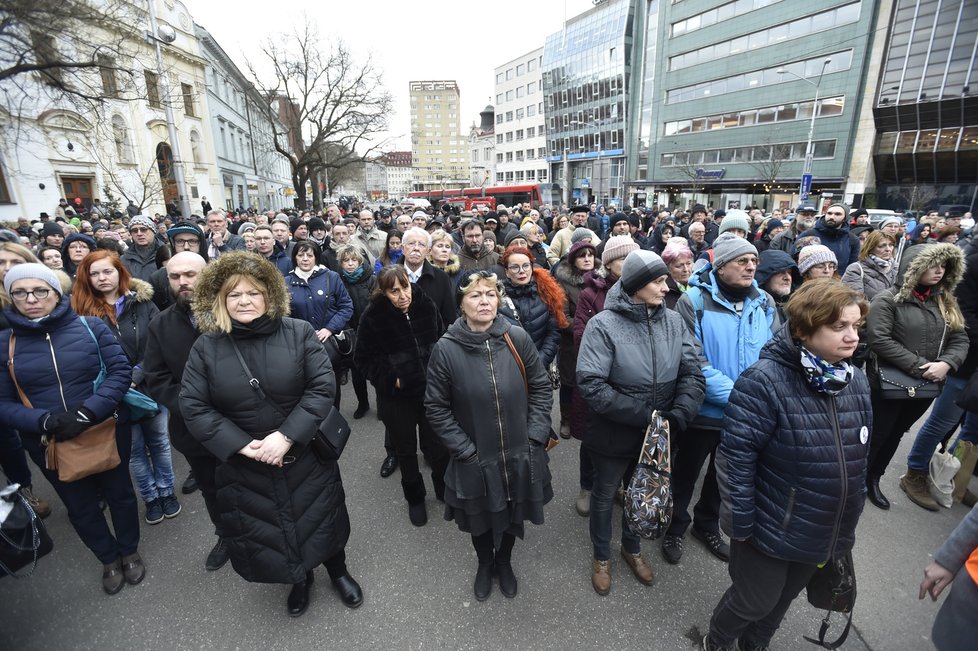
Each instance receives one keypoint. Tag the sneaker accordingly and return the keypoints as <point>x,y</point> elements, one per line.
<point>217,556</point>
<point>154,511</point>
<point>672,549</point>
<point>707,645</point>
<point>714,542</point>
<point>171,507</point>
<point>583,503</point>
<point>40,507</point>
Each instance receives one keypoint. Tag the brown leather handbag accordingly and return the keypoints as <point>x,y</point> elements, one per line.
<point>91,452</point>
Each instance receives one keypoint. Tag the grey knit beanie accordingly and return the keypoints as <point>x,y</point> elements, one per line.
<point>34,271</point>
<point>640,268</point>
<point>728,247</point>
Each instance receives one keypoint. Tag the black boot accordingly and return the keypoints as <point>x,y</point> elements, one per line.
<point>298,599</point>
<point>414,493</point>
<point>483,576</point>
<point>504,567</point>
<point>875,495</point>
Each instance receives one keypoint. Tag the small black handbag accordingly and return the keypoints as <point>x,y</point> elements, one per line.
<point>833,588</point>
<point>23,537</point>
<point>340,347</point>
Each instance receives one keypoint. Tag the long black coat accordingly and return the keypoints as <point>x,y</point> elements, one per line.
<point>279,523</point>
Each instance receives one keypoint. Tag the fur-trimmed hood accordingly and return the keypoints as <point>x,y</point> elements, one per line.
<point>237,262</point>
<point>566,272</point>
<point>142,290</point>
<point>452,267</point>
<point>919,258</point>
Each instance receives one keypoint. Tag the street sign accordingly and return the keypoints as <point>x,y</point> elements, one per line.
<point>806,184</point>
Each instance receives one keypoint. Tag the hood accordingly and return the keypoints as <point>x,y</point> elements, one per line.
<point>237,262</point>
<point>617,301</point>
<point>598,279</point>
<point>460,333</point>
<point>141,290</point>
<point>774,261</point>
<point>77,237</point>
<point>452,267</point>
<point>920,257</point>
<point>782,349</point>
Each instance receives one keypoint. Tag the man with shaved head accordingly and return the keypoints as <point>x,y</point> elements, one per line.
<point>171,335</point>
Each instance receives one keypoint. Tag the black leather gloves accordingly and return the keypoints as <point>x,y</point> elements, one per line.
<point>67,425</point>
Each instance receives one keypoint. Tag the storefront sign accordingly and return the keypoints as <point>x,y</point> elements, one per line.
<point>710,174</point>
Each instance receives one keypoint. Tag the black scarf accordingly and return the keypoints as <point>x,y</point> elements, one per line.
<point>732,294</point>
<point>260,327</point>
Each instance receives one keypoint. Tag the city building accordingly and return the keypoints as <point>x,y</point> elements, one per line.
<point>253,173</point>
<point>482,141</point>
<point>375,179</point>
<point>117,150</point>
<point>925,106</point>
<point>438,148</point>
<point>520,133</point>
<point>728,94</point>
<point>400,173</point>
<point>586,77</point>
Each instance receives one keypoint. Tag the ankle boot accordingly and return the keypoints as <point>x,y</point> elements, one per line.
<point>483,581</point>
<point>298,599</point>
<point>506,576</point>
<point>914,484</point>
<point>414,493</point>
<point>875,495</point>
<point>565,432</point>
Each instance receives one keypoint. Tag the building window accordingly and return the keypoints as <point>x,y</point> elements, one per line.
<point>106,69</point>
<point>519,114</point>
<point>520,70</point>
<point>499,77</point>
<point>4,191</point>
<point>509,136</point>
<point>120,136</point>
<point>531,132</point>
<point>509,96</point>
<point>509,157</point>
<point>531,175</point>
<point>509,74</point>
<point>499,138</point>
<point>188,100</point>
<point>531,88</point>
<point>499,119</point>
<point>791,151</point>
<point>499,99</point>
<point>46,53</point>
<point>519,134</point>
<point>519,91</point>
<point>717,14</point>
<point>519,155</point>
<point>531,110</point>
<point>499,158</point>
<point>499,177</point>
<point>519,175</point>
<point>152,88</point>
<point>531,65</point>
<point>542,175</point>
<point>828,107</point>
<point>509,116</point>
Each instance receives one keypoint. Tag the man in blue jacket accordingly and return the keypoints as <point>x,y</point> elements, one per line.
<point>832,230</point>
<point>732,319</point>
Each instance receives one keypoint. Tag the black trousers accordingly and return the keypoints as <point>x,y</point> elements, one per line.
<point>891,420</point>
<point>485,551</point>
<point>81,499</point>
<point>204,467</point>
<point>695,447</point>
<point>359,386</point>
<point>763,588</point>
<point>407,424</point>
<point>13,460</point>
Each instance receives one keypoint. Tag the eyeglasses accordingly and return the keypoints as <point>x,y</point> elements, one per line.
<point>744,261</point>
<point>139,230</point>
<point>21,295</point>
<point>185,243</point>
<point>826,266</point>
<point>516,268</point>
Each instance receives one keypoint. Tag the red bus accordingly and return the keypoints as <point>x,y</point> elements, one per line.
<point>534,194</point>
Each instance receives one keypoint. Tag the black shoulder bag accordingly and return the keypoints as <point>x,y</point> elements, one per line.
<point>833,588</point>
<point>331,436</point>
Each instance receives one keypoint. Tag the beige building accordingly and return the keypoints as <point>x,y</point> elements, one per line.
<point>439,149</point>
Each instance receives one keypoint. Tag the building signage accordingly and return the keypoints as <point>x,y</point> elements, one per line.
<point>710,174</point>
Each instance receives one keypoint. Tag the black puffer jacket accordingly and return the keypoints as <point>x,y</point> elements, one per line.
<point>533,315</point>
<point>392,346</point>
<point>132,325</point>
<point>630,363</point>
<point>279,523</point>
<point>791,465</point>
<point>477,403</point>
<point>359,292</point>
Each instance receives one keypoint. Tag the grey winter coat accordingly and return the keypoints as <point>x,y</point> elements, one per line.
<point>494,426</point>
<point>632,361</point>
<point>869,278</point>
<point>906,332</point>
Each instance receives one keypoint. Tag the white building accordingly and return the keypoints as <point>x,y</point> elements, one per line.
<point>375,179</point>
<point>482,148</point>
<point>400,173</point>
<point>253,173</point>
<point>520,136</point>
<point>52,147</point>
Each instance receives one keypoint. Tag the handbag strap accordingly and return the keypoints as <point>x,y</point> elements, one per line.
<point>824,628</point>
<point>650,445</point>
<point>253,381</point>
<point>10,367</point>
<point>519,361</point>
<point>98,349</point>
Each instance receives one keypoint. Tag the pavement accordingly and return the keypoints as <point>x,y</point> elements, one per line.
<point>417,582</point>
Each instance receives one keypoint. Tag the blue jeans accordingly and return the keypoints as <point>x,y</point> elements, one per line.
<point>608,475</point>
<point>151,465</point>
<point>943,418</point>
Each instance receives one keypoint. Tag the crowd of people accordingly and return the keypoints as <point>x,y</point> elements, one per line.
<point>789,354</point>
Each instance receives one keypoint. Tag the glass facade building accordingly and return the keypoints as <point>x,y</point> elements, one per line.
<point>586,70</point>
<point>926,108</point>
<point>728,96</point>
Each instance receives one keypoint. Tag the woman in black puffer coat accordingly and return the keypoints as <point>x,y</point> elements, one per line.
<point>534,301</point>
<point>394,342</point>
<point>359,279</point>
<point>791,464</point>
<point>283,510</point>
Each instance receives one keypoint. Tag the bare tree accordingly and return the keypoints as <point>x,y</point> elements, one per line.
<point>337,104</point>
<point>769,161</point>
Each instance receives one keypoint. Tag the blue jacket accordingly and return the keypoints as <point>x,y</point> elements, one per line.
<point>323,301</point>
<point>791,466</point>
<point>843,244</point>
<point>280,258</point>
<point>730,342</point>
<point>69,359</point>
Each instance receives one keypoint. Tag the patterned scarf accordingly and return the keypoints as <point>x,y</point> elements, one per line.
<point>830,379</point>
<point>880,262</point>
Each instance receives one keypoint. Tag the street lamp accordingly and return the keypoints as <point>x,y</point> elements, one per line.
<point>806,175</point>
<point>166,34</point>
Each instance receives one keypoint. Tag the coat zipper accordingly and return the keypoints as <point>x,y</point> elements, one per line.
<point>845,477</point>
<point>655,372</point>
<point>57,373</point>
<point>499,419</point>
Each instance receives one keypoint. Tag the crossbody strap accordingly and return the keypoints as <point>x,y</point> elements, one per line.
<point>10,367</point>
<point>98,349</point>
<point>253,381</point>
<point>519,361</point>
<point>512,307</point>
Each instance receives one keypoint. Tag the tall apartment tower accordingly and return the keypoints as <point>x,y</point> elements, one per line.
<point>521,144</point>
<point>439,149</point>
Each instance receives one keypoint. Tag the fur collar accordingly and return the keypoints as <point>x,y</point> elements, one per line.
<point>237,262</point>
<point>919,258</point>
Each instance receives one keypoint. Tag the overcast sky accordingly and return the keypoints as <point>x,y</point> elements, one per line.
<point>433,39</point>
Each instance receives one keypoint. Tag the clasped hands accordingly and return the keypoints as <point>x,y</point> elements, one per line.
<point>935,371</point>
<point>270,450</point>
